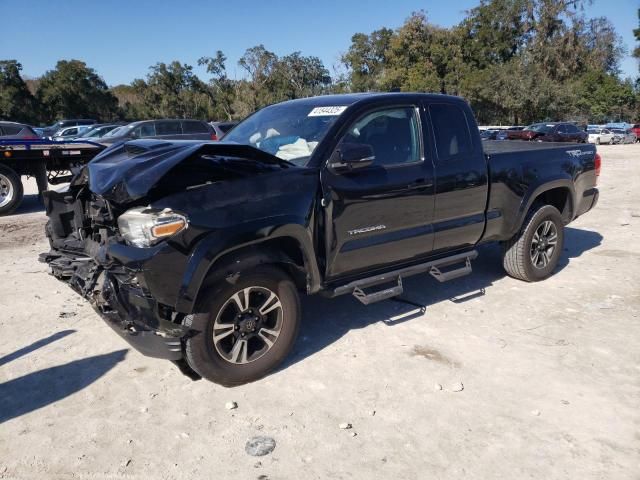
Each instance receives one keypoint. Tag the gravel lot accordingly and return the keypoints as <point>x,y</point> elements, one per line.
<point>551,374</point>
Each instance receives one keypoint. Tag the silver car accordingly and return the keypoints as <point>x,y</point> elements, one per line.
<point>621,135</point>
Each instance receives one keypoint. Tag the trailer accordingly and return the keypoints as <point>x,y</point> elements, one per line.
<point>47,161</point>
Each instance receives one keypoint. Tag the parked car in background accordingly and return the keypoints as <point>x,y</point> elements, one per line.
<point>98,131</point>
<point>39,131</point>
<point>221,128</point>
<point>18,131</point>
<point>550,132</point>
<point>489,134</point>
<point>599,135</point>
<point>51,130</point>
<point>70,133</point>
<point>167,129</point>
<point>621,135</point>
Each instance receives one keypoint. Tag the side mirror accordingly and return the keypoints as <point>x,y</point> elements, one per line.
<point>351,156</point>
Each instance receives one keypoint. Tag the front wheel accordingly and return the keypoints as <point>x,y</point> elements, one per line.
<point>533,253</point>
<point>247,328</point>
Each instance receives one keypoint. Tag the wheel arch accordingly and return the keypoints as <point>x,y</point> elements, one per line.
<point>558,193</point>
<point>288,248</point>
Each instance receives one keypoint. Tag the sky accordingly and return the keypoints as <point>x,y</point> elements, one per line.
<point>120,39</point>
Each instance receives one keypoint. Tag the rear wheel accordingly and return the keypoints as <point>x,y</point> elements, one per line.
<point>533,253</point>
<point>248,327</point>
<point>11,191</point>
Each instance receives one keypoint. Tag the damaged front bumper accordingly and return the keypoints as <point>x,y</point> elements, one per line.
<point>116,295</point>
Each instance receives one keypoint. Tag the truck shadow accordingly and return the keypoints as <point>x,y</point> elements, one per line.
<point>34,346</point>
<point>30,204</point>
<point>35,390</point>
<point>326,320</point>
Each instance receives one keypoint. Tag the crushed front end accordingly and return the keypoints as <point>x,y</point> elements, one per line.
<point>134,231</point>
<point>89,253</point>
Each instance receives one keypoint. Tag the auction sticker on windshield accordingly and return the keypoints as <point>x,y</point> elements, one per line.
<point>327,111</point>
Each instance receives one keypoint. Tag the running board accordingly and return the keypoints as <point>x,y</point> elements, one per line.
<point>356,288</point>
<point>451,274</point>
<point>368,298</point>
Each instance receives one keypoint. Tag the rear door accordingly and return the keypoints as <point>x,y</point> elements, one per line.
<point>573,133</point>
<point>561,134</point>
<point>168,129</point>
<point>462,187</point>
<point>380,214</point>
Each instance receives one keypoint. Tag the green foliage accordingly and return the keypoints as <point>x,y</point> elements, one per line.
<point>73,90</point>
<point>636,33</point>
<point>16,101</point>
<point>516,61</point>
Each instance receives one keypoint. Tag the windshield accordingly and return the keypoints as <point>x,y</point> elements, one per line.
<point>288,131</point>
<point>540,127</point>
<point>117,131</point>
<point>95,132</point>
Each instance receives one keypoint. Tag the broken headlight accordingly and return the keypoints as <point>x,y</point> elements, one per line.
<point>145,226</point>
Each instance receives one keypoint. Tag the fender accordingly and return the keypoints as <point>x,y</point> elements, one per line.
<point>535,190</point>
<point>214,246</point>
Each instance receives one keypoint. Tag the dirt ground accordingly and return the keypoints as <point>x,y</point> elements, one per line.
<point>551,374</point>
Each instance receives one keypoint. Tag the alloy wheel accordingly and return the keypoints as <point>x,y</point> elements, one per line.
<point>248,325</point>
<point>543,244</point>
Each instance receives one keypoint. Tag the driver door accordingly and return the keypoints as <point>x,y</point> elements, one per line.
<point>382,213</point>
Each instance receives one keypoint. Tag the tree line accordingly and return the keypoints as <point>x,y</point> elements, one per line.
<point>515,61</point>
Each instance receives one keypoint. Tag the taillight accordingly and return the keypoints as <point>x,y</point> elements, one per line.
<point>214,136</point>
<point>598,162</point>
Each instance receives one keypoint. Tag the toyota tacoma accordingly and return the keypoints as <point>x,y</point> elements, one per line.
<point>198,252</point>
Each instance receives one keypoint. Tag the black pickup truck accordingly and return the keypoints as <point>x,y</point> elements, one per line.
<point>45,160</point>
<point>198,252</point>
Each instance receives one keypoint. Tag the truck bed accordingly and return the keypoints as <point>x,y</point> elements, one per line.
<point>519,168</point>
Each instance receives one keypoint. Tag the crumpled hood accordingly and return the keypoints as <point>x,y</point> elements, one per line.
<point>127,172</point>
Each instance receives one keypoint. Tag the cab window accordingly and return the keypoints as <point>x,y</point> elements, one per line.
<point>393,134</point>
<point>451,131</point>
<point>168,128</point>
<point>144,130</point>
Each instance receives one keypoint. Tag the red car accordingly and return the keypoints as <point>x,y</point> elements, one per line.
<point>636,129</point>
<point>550,132</point>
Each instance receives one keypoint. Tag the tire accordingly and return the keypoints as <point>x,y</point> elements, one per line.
<point>597,140</point>
<point>518,254</point>
<point>228,361</point>
<point>11,190</point>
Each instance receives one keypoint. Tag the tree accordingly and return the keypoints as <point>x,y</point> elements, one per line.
<point>366,59</point>
<point>16,101</point>
<point>174,91</point>
<point>272,79</point>
<point>636,33</point>
<point>221,88</point>
<point>73,90</point>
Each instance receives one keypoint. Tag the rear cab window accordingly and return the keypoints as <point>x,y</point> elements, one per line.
<point>451,131</point>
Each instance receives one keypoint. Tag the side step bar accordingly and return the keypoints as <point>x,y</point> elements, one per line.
<point>356,288</point>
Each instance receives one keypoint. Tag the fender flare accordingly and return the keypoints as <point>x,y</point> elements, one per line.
<point>214,247</point>
<point>537,189</point>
